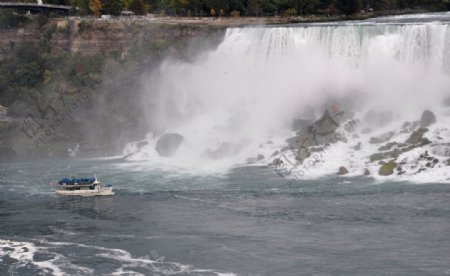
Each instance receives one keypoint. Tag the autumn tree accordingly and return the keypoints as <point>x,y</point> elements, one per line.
<point>96,7</point>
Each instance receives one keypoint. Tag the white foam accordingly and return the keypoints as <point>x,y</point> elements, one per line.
<point>24,253</point>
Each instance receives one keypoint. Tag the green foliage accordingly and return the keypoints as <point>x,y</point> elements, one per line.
<point>84,25</point>
<point>11,19</point>
<point>29,69</point>
<point>254,8</point>
<point>290,12</point>
<point>235,13</point>
<point>138,7</point>
<point>113,7</point>
<point>349,7</point>
<point>159,45</point>
<point>80,7</point>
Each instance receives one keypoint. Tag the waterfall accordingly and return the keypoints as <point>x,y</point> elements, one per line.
<point>246,92</point>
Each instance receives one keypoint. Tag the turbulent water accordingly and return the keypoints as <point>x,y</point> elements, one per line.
<point>247,222</point>
<point>246,92</point>
<point>200,214</point>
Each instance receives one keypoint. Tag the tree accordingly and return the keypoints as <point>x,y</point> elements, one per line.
<point>138,7</point>
<point>96,7</point>
<point>309,6</point>
<point>179,6</point>
<point>349,7</point>
<point>254,8</point>
<point>113,7</point>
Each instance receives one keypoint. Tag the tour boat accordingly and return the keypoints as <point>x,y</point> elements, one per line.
<point>82,187</point>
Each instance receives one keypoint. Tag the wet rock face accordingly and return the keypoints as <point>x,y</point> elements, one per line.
<point>168,144</point>
<point>390,145</point>
<point>301,125</point>
<point>408,127</point>
<point>377,156</point>
<point>382,138</point>
<point>342,171</point>
<point>387,168</point>
<point>417,136</point>
<point>428,118</point>
<point>318,133</point>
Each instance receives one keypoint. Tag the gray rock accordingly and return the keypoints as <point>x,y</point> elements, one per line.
<point>277,162</point>
<point>168,144</point>
<point>301,125</point>
<point>342,171</point>
<point>321,132</point>
<point>428,118</point>
<point>385,137</point>
<point>260,157</point>
<point>408,127</point>
<point>366,172</point>
<point>387,168</point>
<point>376,157</point>
<point>391,145</point>
<point>417,136</point>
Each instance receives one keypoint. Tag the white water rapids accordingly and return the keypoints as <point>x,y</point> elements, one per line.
<point>247,91</point>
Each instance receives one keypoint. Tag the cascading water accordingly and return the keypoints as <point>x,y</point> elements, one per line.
<point>239,100</point>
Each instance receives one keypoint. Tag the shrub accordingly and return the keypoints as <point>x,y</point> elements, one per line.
<point>235,13</point>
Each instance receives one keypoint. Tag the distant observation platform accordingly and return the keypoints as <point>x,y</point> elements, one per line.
<point>35,7</point>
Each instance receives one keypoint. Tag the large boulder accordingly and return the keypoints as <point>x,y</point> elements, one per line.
<point>428,118</point>
<point>168,144</point>
<point>342,171</point>
<point>387,168</point>
<point>301,124</point>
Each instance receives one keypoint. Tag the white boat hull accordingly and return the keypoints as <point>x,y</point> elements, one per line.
<point>95,192</point>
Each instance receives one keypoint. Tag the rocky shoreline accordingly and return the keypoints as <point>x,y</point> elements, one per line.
<point>415,148</point>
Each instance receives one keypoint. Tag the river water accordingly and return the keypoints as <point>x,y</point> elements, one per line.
<point>248,221</point>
